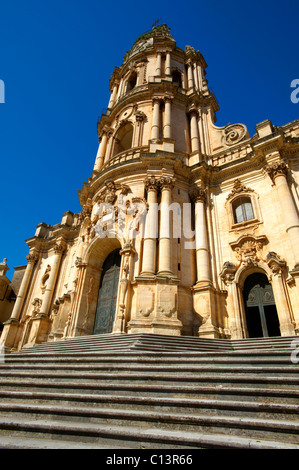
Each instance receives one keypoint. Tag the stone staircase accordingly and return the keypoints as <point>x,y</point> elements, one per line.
<point>147,391</point>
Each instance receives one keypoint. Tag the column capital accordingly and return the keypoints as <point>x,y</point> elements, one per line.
<point>157,99</point>
<point>59,247</point>
<point>151,183</point>
<point>166,182</point>
<point>32,258</point>
<point>168,99</point>
<point>275,169</point>
<point>198,194</point>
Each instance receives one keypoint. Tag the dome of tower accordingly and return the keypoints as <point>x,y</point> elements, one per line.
<point>147,39</point>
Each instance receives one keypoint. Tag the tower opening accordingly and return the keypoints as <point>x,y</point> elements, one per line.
<point>177,78</point>
<point>261,314</point>
<point>123,139</point>
<point>132,81</point>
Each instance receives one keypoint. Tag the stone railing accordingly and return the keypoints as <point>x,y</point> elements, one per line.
<point>230,155</point>
<point>125,156</point>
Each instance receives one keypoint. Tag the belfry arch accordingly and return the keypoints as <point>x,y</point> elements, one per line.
<point>123,138</point>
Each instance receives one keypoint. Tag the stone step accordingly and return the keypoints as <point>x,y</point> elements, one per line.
<point>187,357</point>
<point>159,342</point>
<point>267,393</point>
<point>186,369</point>
<point>161,377</point>
<point>111,390</point>
<point>122,437</point>
<point>232,407</point>
<point>261,428</point>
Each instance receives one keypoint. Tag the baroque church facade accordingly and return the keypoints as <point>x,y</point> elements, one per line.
<point>186,228</point>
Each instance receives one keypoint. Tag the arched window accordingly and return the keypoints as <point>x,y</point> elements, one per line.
<point>123,139</point>
<point>132,81</point>
<point>242,209</point>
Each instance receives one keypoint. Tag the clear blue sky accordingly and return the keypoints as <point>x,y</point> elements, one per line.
<point>56,59</point>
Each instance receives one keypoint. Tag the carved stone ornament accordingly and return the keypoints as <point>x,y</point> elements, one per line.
<point>277,169</point>
<point>238,188</point>
<point>139,115</point>
<point>228,272</point>
<point>108,193</point>
<point>234,133</point>
<point>166,301</point>
<point>275,263</point>
<point>45,278</point>
<point>145,303</point>
<point>37,303</point>
<point>54,309</point>
<point>248,248</point>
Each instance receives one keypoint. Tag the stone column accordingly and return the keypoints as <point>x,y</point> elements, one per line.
<point>113,95</point>
<point>155,131</point>
<point>195,76</point>
<point>200,76</point>
<point>165,240</point>
<point>194,133</point>
<point>55,263</point>
<point>278,173</point>
<point>203,264</point>
<point>101,152</point>
<point>168,64</point>
<point>151,228</point>
<point>190,75</point>
<point>159,65</point>
<point>11,327</point>
<point>167,123</point>
<point>31,258</point>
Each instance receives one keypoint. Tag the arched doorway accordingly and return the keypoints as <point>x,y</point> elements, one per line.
<point>260,308</point>
<point>106,305</point>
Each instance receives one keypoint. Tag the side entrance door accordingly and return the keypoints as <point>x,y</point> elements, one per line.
<point>261,313</point>
<point>107,294</point>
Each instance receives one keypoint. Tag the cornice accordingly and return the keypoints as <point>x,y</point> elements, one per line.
<point>264,145</point>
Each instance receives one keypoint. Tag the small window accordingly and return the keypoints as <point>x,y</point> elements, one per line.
<point>242,209</point>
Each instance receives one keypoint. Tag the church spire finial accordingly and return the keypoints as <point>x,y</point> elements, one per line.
<point>155,23</point>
